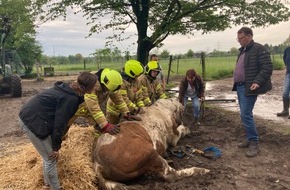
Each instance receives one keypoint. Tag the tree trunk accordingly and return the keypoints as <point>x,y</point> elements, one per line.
<point>143,49</point>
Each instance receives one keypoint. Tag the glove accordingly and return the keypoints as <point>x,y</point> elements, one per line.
<point>111,129</point>
<point>131,117</point>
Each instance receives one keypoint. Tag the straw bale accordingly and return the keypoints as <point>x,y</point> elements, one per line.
<point>23,169</point>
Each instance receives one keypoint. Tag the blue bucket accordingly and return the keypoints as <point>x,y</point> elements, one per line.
<point>216,152</point>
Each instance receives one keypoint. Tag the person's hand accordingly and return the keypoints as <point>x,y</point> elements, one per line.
<point>134,111</point>
<point>54,155</point>
<point>111,129</point>
<point>254,86</point>
<point>202,99</point>
<point>130,117</point>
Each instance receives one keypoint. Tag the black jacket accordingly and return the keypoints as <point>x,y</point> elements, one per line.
<point>48,112</point>
<point>286,59</point>
<point>258,68</point>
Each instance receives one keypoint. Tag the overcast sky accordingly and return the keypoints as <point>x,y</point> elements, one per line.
<point>69,38</point>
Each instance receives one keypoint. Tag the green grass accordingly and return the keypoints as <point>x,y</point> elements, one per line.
<point>215,67</point>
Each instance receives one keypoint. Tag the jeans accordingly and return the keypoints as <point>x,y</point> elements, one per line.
<point>44,148</point>
<point>286,87</point>
<point>195,105</point>
<point>247,104</point>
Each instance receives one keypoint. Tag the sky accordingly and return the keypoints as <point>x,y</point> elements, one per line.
<point>69,37</point>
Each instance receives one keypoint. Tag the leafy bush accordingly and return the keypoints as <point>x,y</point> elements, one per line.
<point>278,65</point>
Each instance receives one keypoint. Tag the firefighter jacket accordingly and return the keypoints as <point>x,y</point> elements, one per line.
<point>91,106</point>
<point>152,89</point>
<point>132,95</point>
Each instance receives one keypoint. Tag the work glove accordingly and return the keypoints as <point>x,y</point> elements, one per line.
<point>131,117</point>
<point>111,129</point>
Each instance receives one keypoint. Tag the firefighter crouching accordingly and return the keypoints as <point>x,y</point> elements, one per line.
<point>108,85</point>
<point>131,92</point>
<point>152,89</point>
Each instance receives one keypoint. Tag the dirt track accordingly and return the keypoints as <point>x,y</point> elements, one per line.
<point>220,128</point>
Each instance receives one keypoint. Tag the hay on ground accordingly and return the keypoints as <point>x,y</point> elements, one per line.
<point>23,170</point>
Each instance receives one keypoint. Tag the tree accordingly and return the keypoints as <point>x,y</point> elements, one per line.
<point>164,54</point>
<point>287,41</point>
<point>155,20</point>
<point>190,53</point>
<point>234,51</point>
<point>22,32</point>
<point>79,57</point>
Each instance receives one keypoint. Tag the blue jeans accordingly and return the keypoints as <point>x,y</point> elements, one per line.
<point>44,148</point>
<point>286,87</point>
<point>247,104</point>
<point>195,105</point>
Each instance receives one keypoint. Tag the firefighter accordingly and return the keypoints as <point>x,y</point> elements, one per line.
<point>108,85</point>
<point>131,91</point>
<point>152,89</point>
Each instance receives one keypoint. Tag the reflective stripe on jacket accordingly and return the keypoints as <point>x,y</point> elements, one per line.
<point>131,94</point>
<point>92,108</point>
<point>152,89</point>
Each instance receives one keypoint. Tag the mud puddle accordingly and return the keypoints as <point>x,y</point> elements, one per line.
<point>266,107</point>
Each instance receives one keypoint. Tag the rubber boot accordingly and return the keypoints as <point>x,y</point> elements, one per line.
<point>253,149</point>
<point>196,121</point>
<point>285,111</point>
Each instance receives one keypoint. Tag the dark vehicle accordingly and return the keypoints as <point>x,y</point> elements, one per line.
<point>11,66</point>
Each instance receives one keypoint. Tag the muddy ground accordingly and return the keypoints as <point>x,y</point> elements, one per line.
<point>220,127</point>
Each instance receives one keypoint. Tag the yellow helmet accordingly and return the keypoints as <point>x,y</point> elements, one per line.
<point>111,79</point>
<point>133,68</point>
<point>152,65</point>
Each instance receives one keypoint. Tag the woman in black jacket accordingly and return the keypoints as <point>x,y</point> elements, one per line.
<point>45,117</point>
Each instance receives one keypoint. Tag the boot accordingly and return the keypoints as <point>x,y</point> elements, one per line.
<point>253,149</point>
<point>285,111</point>
<point>244,144</point>
<point>196,121</point>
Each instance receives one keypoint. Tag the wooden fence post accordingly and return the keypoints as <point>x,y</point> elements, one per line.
<point>202,60</point>
<point>169,69</point>
<point>177,65</point>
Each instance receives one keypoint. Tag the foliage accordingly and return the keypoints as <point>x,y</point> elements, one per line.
<point>164,54</point>
<point>216,67</point>
<point>278,65</point>
<point>107,54</point>
<point>189,53</point>
<point>234,51</point>
<point>22,32</point>
<point>155,20</point>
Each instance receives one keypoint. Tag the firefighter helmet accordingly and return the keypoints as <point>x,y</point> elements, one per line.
<point>111,79</point>
<point>133,68</point>
<point>152,66</point>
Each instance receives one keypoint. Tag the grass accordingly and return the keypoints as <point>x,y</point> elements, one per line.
<point>215,67</point>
